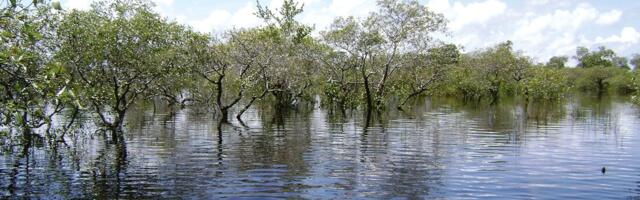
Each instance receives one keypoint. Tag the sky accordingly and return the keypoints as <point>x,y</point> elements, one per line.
<point>539,28</point>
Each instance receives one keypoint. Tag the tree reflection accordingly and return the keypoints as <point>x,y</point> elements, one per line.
<point>294,153</point>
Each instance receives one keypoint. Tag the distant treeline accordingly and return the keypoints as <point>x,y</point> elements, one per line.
<point>119,53</point>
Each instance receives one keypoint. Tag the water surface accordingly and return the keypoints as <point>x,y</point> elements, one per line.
<point>443,149</point>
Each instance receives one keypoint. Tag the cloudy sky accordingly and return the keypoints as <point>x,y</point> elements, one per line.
<point>540,28</point>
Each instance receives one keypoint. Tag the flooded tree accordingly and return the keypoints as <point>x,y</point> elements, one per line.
<point>557,62</point>
<point>292,69</point>
<point>635,61</point>
<point>490,72</point>
<point>374,46</point>
<point>117,52</point>
<point>232,69</point>
<point>33,86</point>
<point>426,72</point>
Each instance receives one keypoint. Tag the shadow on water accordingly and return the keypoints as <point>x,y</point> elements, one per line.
<point>439,148</point>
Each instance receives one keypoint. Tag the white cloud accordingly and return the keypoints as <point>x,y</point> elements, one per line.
<point>77,4</point>
<point>221,19</point>
<point>537,28</point>
<point>244,17</point>
<point>163,2</point>
<point>217,19</point>
<point>322,15</point>
<point>539,2</point>
<point>86,4</point>
<point>610,17</point>
<point>561,31</point>
<point>277,3</point>
<point>628,35</point>
<point>342,7</point>
<point>461,14</point>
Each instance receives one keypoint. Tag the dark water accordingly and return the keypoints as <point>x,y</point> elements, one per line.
<point>440,150</point>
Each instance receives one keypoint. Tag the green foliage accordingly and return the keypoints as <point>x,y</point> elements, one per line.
<point>466,81</point>
<point>290,76</point>
<point>545,84</point>
<point>557,62</point>
<point>635,61</point>
<point>118,52</point>
<point>602,79</point>
<point>591,79</point>
<point>621,81</point>
<point>423,74</point>
<point>636,84</point>
<point>375,49</point>
<point>32,85</point>
<point>490,73</point>
<point>603,57</point>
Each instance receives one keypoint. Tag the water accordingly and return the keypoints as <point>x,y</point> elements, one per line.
<point>441,150</point>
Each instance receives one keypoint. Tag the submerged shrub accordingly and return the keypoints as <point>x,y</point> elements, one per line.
<point>621,81</point>
<point>603,79</point>
<point>545,83</point>
<point>636,84</point>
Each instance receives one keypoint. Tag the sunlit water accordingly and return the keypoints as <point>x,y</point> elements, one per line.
<point>441,150</point>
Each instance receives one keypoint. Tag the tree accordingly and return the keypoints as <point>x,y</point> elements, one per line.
<point>593,79</point>
<point>635,61</point>
<point>342,85</point>
<point>425,71</point>
<point>175,86</point>
<point>621,62</point>
<point>374,46</point>
<point>502,67</point>
<point>557,62</point>
<point>117,52</point>
<point>545,84</point>
<point>249,47</point>
<point>33,87</point>
<point>290,76</point>
<point>636,84</point>
<point>232,68</point>
<point>603,57</point>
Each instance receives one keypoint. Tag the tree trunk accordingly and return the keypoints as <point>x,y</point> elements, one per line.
<point>116,127</point>
<point>600,87</point>
<point>224,115</point>
<point>246,107</point>
<point>114,134</point>
<point>367,91</point>
<point>26,130</point>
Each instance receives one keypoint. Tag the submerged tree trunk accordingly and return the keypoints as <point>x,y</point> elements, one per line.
<point>600,86</point>
<point>250,103</point>
<point>283,98</point>
<point>224,109</point>
<point>224,112</point>
<point>26,131</point>
<point>367,91</point>
<point>224,115</point>
<point>117,134</point>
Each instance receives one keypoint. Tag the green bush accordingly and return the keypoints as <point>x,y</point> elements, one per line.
<point>621,81</point>
<point>636,84</point>
<point>545,83</point>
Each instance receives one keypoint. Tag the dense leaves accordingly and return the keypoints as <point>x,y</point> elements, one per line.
<point>117,53</point>
<point>378,48</point>
<point>33,87</point>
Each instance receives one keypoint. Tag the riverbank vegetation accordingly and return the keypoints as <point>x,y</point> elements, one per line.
<point>105,60</point>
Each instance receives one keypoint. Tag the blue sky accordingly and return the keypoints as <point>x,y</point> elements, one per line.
<point>539,28</point>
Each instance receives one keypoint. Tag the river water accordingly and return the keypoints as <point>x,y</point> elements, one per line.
<point>442,149</point>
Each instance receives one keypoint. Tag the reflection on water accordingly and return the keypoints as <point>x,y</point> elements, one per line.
<point>441,149</point>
